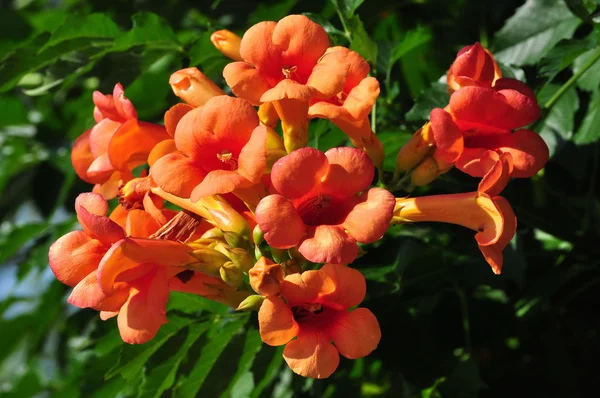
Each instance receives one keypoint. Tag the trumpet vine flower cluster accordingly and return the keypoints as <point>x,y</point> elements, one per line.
<point>264,222</point>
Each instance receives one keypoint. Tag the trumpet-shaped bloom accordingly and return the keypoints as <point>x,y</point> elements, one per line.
<point>221,148</point>
<point>473,66</point>
<point>323,203</point>
<point>315,312</point>
<point>349,109</point>
<point>482,211</point>
<point>109,151</point>
<point>228,43</point>
<point>193,86</point>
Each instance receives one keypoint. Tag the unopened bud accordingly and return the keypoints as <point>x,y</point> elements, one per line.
<point>231,274</point>
<point>258,254</point>
<point>268,115</point>
<point>237,255</point>
<point>193,86</point>
<point>425,173</point>
<point>266,277</point>
<point>414,151</point>
<point>213,233</point>
<point>292,267</point>
<point>228,43</point>
<point>279,255</point>
<point>257,235</point>
<point>209,261</point>
<point>251,303</point>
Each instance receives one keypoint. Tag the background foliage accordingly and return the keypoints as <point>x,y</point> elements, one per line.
<point>451,328</point>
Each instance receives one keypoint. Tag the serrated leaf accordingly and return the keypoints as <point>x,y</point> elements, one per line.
<point>162,377</point>
<point>347,7</point>
<point>133,357</point>
<point>93,26</point>
<point>239,382</point>
<point>219,337</point>
<point>589,131</point>
<point>148,30</point>
<point>557,127</point>
<point>435,96</point>
<point>533,30</point>
<point>590,79</point>
<point>361,42</point>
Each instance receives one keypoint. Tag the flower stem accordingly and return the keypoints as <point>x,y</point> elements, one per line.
<point>550,103</point>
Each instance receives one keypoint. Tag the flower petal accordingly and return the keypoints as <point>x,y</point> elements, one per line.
<point>82,157</point>
<point>73,256</point>
<point>350,172</point>
<point>94,221</point>
<point>356,333</point>
<point>177,174</point>
<point>252,161</point>
<point>493,253</point>
<point>161,149</point>
<point>311,355</point>
<point>87,293</point>
<point>288,89</point>
<point>258,49</point>
<point>174,115</point>
<point>328,244</point>
<point>499,168</point>
<point>448,138</point>
<point>276,322</point>
<point>101,134</point>
<point>278,219</point>
<point>307,287</point>
<point>299,173</point>
<point>350,286</point>
<point>218,182</point>
<point>145,311</point>
<point>245,81</point>
<point>375,205</point>
<point>140,224</point>
<point>360,99</point>
<point>329,75</point>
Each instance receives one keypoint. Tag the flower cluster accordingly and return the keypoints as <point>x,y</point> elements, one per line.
<point>265,222</point>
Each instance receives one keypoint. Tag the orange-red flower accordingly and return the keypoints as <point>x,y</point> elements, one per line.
<point>228,43</point>
<point>222,148</point>
<point>473,66</point>
<point>482,211</point>
<point>322,203</point>
<point>281,65</point>
<point>315,311</point>
<point>109,151</point>
<point>349,109</point>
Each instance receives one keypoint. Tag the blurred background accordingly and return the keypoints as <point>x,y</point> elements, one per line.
<point>451,328</point>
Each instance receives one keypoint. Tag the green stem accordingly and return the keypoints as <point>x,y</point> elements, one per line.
<point>345,26</point>
<point>572,80</point>
<point>374,118</point>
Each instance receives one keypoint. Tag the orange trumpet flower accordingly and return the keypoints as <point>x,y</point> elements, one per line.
<point>322,203</point>
<point>193,86</point>
<point>482,211</point>
<point>118,143</point>
<point>473,66</point>
<point>228,43</point>
<point>315,311</point>
<point>222,148</point>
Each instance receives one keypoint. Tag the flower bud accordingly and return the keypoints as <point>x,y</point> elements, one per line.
<point>231,274</point>
<point>251,303</point>
<point>193,86</point>
<point>257,235</point>
<point>414,151</point>
<point>238,256</point>
<point>292,267</point>
<point>213,233</point>
<point>209,261</point>
<point>266,277</point>
<point>424,174</point>
<point>228,43</point>
<point>268,115</point>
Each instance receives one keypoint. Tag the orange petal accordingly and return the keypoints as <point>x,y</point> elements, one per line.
<point>130,253</point>
<point>375,205</point>
<point>362,98</point>
<point>288,89</point>
<point>193,86</point>
<point>350,171</point>
<point>73,256</point>
<point>358,68</point>
<point>218,182</point>
<point>311,355</point>
<point>498,174</point>
<point>472,62</point>
<point>448,138</point>
<point>174,115</point>
<point>101,169</point>
<point>350,286</point>
<point>101,134</point>
<point>307,287</point>
<point>356,333</point>
<point>469,161</point>
<point>161,149</point>
<point>92,202</point>
<point>257,48</point>
<point>299,173</point>
<point>82,157</point>
<point>177,174</point>
<point>329,75</point>
<point>252,161</point>
<point>301,43</point>
<point>276,322</point>
<point>109,189</point>
<point>96,226</point>
<point>199,284</point>
<point>493,253</point>
<point>87,293</point>
<point>328,244</point>
<point>145,311</point>
<point>140,224</point>
<point>228,43</point>
<point>278,219</point>
<point>245,81</point>
<point>123,106</point>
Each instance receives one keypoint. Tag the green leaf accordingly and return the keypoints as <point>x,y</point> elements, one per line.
<point>148,30</point>
<point>563,55</point>
<point>134,357</point>
<point>162,377</point>
<point>17,155</point>
<point>589,131</point>
<point>590,80</point>
<point>392,141</point>
<point>435,96</point>
<point>582,9</point>
<point>218,338</point>
<point>361,42</point>
<point>271,12</point>
<point>347,7</point>
<point>271,373</point>
<point>12,242</point>
<point>240,383</point>
<point>204,55</point>
<point>12,112</point>
<point>193,304</point>
<point>533,30</point>
<point>557,128</point>
<point>93,26</point>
